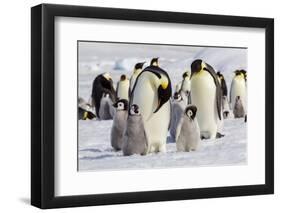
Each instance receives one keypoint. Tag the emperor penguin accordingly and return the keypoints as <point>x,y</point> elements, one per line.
<point>134,138</point>
<point>238,109</point>
<point>137,71</point>
<point>122,89</point>
<point>239,88</point>
<point>206,95</point>
<point>102,84</point>
<point>106,110</point>
<point>152,92</point>
<point>178,107</point>
<point>188,132</point>
<point>119,123</point>
<point>84,110</point>
<point>222,83</point>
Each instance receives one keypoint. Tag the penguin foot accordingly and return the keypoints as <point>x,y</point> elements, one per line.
<point>219,135</point>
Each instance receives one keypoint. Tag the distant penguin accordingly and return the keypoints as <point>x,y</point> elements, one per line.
<point>106,110</point>
<point>102,84</point>
<point>239,88</point>
<point>183,87</point>
<point>137,71</point>
<point>245,119</point>
<point>152,92</point>
<point>188,132</point>
<point>154,62</point>
<point>206,95</point>
<point>84,110</point>
<point>122,89</point>
<point>134,138</point>
<point>222,83</point>
<point>238,109</point>
<point>119,123</point>
<point>178,107</point>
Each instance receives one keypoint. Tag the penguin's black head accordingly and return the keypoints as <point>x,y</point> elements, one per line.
<point>106,81</point>
<point>244,72</point>
<point>154,62</point>
<point>123,77</point>
<point>190,111</point>
<point>139,65</point>
<point>184,75</point>
<point>121,104</point>
<point>237,72</point>
<point>219,74</point>
<point>177,96</point>
<point>134,110</point>
<point>196,66</point>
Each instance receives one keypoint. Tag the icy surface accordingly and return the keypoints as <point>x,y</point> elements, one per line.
<point>95,152</point>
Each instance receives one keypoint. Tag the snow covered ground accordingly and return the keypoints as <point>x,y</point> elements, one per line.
<point>95,152</point>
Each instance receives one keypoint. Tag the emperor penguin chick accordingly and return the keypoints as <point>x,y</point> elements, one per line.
<point>119,123</point>
<point>238,109</point>
<point>134,139</point>
<point>188,132</point>
<point>178,107</point>
<point>106,110</point>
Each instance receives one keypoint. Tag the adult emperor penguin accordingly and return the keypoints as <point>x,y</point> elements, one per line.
<point>188,132</point>
<point>239,88</point>
<point>222,83</point>
<point>134,138</point>
<point>122,88</point>
<point>152,92</point>
<point>206,95</point>
<point>178,107</point>
<point>119,123</point>
<point>102,84</point>
<point>137,71</point>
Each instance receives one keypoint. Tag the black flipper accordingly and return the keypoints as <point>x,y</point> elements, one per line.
<point>218,88</point>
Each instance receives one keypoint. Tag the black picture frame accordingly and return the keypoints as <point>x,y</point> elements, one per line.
<point>43,105</point>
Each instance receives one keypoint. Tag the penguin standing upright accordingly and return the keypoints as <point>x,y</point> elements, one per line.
<point>106,110</point>
<point>122,88</point>
<point>134,138</point>
<point>178,107</point>
<point>155,62</point>
<point>119,123</point>
<point>188,132</point>
<point>239,88</point>
<point>137,71</point>
<point>206,95</point>
<point>152,92</point>
<point>222,83</point>
<point>102,84</point>
<point>238,109</point>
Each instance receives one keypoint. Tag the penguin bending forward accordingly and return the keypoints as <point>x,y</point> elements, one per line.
<point>119,123</point>
<point>152,92</point>
<point>206,95</point>
<point>134,138</point>
<point>188,132</point>
<point>102,84</point>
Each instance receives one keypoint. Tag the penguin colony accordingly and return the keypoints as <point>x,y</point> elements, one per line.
<point>144,110</point>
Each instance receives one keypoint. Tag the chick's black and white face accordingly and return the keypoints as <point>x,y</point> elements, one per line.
<point>134,110</point>
<point>189,113</point>
<point>120,106</point>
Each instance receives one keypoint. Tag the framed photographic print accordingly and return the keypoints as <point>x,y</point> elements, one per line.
<point>140,106</point>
